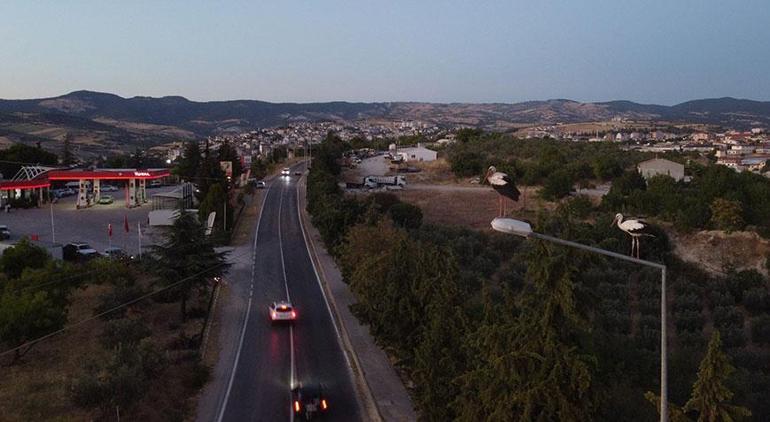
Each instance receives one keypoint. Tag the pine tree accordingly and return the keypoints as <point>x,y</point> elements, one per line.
<point>710,396</point>
<point>189,162</point>
<point>67,157</point>
<point>186,253</point>
<point>533,367</point>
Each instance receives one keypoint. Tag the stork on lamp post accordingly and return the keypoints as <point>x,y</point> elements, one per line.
<point>635,228</point>
<point>504,186</point>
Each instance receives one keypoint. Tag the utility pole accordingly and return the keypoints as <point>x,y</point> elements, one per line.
<point>53,231</point>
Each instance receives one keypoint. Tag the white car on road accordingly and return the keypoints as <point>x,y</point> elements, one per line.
<point>286,172</point>
<point>282,311</point>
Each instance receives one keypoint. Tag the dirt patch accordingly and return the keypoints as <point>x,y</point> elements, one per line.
<point>714,250</point>
<point>465,206</point>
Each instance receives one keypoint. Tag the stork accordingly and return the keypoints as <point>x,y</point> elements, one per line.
<point>503,185</point>
<point>635,228</point>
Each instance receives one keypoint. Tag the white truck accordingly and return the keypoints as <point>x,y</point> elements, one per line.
<point>373,182</point>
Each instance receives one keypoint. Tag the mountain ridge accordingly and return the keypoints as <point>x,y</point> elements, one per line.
<point>145,121</point>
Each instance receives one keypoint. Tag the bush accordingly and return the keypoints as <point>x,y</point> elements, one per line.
<point>406,215</point>
<point>118,295</point>
<point>727,317</point>
<point>760,329</point>
<point>199,376</point>
<point>721,299</point>
<point>124,332</point>
<point>557,185</point>
<point>754,360</point>
<point>757,300</point>
<point>691,339</point>
<point>740,282</point>
<point>688,320</point>
<point>733,336</point>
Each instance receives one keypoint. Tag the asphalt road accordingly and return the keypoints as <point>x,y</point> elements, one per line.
<point>271,358</point>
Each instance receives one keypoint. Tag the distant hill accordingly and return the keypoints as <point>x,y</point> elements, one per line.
<point>102,122</point>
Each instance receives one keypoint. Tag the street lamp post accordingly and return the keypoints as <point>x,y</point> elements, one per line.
<point>521,228</point>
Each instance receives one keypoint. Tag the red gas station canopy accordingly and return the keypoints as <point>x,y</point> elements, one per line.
<point>108,174</point>
<point>44,179</point>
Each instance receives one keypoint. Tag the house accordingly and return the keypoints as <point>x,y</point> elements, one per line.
<point>656,166</point>
<point>418,153</point>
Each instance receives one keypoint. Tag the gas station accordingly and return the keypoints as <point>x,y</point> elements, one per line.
<point>34,183</point>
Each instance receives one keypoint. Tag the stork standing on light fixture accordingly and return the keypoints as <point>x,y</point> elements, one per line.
<point>504,186</point>
<point>635,228</point>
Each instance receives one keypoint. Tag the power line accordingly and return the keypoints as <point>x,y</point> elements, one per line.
<point>48,283</point>
<point>113,309</point>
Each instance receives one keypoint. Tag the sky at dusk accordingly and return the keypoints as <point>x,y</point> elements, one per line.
<point>649,51</point>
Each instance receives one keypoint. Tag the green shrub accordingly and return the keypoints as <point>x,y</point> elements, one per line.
<point>760,329</point>
<point>757,300</point>
<point>406,215</point>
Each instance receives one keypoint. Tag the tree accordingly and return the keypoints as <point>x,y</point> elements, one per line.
<point>258,168</point>
<point>120,380</point>
<point>138,158</point>
<point>710,396</point>
<point>186,258</point>
<point>209,173</point>
<point>533,366</point>
<point>187,167</point>
<point>26,314</point>
<point>406,215</point>
<point>557,185</point>
<point>675,413</point>
<point>17,155</point>
<point>67,157</point>
<point>726,214</point>
<point>228,153</point>
<point>23,255</point>
<point>215,200</point>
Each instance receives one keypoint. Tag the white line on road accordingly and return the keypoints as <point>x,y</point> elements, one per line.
<point>246,314</point>
<point>288,298</point>
<point>318,279</point>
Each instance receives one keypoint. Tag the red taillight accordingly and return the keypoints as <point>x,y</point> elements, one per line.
<point>296,405</point>
<point>323,404</point>
<point>272,315</point>
<point>293,314</point>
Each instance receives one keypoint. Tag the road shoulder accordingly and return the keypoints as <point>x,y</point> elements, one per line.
<point>385,396</point>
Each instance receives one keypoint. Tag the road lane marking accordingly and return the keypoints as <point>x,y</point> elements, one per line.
<point>318,279</point>
<point>288,299</point>
<point>248,310</point>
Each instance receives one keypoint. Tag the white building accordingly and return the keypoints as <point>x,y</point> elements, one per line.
<point>418,153</point>
<point>656,166</point>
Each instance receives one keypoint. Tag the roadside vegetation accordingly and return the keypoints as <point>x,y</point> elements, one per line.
<point>131,331</point>
<point>490,327</point>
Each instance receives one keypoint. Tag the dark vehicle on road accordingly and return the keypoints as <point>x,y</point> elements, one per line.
<point>309,402</point>
<point>4,232</point>
<point>79,252</point>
